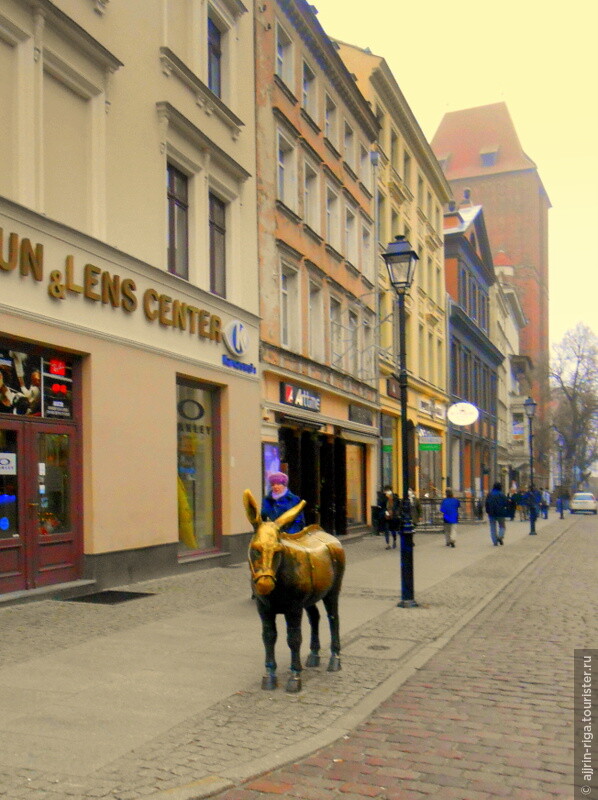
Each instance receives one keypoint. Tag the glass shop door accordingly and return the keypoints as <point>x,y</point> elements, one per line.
<point>40,541</point>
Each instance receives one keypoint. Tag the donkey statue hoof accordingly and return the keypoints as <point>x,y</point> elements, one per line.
<point>294,684</point>
<point>334,665</point>
<point>313,660</point>
<point>269,682</point>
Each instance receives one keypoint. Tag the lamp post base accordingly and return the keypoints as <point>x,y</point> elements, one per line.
<point>407,604</point>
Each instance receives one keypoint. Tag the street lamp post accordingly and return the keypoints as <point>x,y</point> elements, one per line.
<point>560,442</point>
<point>400,261</point>
<point>530,409</point>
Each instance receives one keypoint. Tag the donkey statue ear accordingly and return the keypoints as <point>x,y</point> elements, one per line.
<point>290,515</point>
<point>251,509</point>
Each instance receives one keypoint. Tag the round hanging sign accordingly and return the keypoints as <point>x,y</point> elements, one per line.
<point>462,413</point>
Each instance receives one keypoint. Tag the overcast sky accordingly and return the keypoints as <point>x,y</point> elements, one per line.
<point>541,59</point>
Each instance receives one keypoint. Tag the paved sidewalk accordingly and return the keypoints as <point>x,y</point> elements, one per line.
<point>160,697</point>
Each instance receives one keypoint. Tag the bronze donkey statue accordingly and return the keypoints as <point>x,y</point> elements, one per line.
<point>289,573</point>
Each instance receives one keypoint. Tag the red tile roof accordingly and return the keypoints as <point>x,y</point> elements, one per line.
<point>464,136</point>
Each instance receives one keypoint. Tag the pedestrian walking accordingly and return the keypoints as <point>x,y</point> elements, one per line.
<point>533,499</point>
<point>449,509</point>
<point>544,503</point>
<point>390,515</point>
<point>497,508</point>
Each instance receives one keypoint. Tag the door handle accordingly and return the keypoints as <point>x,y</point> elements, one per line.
<point>33,505</point>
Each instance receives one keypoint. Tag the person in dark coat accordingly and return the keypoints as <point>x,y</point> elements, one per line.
<point>389,515</point>
<point>279,499</point>
<point>497,508</point>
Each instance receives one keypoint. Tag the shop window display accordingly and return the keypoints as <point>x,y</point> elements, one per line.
<point>195,468</point>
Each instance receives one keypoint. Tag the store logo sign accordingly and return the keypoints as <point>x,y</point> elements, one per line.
<point>300,398</point>
<point>236,338</point>
<point>8,464</point>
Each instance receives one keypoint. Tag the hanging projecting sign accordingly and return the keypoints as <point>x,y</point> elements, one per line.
<point>300,398</point>
<point>462,414</point>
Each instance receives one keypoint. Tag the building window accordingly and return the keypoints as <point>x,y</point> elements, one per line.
<point>197,465</point>
<point>353,343</point>
<point>316,320</point>
<point>311,197</point>
<point>394,222</point>
<point>366,252</point>
<point>289,311</point>
<point>310,96</point>
<point>365,169</point>
<point>284,56</point>
<point>178,222</point>
<point>214,58</point>
<point>350,236</point>
<point>332,218</point>
<point>407,169</point>
<point>217,223</point>
<point>368,360</point>
<point>286,172</point>
<point>488,159</point>
<point>420,192</point>
<point>381,218</point>
<point>331,122</point>
<point>394,150</point>
<point>336,353</point>
<point>349,144</point>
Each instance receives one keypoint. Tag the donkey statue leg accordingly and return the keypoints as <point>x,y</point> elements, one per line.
<point>269,636</point>
<point>293,619</point>
<point>313,659</point>
<point>331,605</point>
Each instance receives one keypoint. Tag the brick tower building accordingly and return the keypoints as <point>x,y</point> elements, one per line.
<point>479,150</point>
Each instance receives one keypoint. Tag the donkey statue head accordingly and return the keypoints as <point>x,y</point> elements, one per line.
<point>265,548</point>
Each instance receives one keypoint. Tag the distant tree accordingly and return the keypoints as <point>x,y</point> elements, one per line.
<point>574,382</point>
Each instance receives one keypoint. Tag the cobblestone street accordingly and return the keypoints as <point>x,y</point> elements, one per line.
<point>489,716</point>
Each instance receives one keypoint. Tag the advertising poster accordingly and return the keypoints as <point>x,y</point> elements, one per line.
<point>57,389</point>
<point>20,384</point>
<point>33,387</point>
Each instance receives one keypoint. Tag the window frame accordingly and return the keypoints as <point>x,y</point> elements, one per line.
<point>217,281</point>
<point>309,91</point>
<point>289,306</point>
<point>283,56</point>
<point>173,203</point>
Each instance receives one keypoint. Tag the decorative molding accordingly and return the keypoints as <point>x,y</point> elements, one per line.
<point>204,97</point>
<point>173,117</point>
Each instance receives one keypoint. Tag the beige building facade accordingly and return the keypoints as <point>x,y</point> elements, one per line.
<point>410,192</point>
<point>129,362</point>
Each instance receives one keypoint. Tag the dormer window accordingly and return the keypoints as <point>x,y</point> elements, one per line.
<point>488,157</point>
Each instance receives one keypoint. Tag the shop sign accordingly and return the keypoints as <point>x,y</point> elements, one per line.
<point>393,388</point>
<point>236,338</point>
<point>300,398</point>
<point>428,440</point>
<point>360,414</point>
<point>101,286</point>
<point>8,464</point>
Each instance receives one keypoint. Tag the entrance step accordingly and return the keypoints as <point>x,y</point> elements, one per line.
<point>57,591</point>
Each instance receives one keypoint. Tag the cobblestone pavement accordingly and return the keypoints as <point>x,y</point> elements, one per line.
<point>465,721</point>
<point>489,716</point>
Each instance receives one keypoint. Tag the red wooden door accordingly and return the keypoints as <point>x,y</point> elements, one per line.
<point>40,525</point>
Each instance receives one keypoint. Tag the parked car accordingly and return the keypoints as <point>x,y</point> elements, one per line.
<point>583,501</point>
